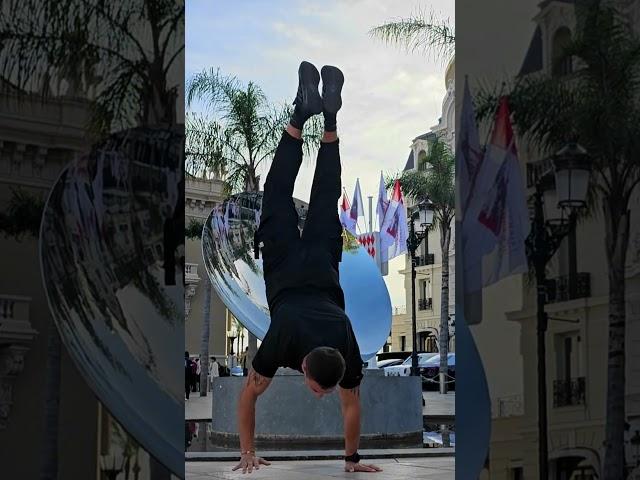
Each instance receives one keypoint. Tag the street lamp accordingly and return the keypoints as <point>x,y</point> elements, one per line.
<point>572,171</point>
<point>419,222</point>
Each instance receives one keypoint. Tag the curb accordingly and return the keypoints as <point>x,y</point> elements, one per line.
<point>322,454</point>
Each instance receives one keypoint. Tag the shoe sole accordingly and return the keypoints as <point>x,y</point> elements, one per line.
<point>309,79</point>
<point>332,81</point>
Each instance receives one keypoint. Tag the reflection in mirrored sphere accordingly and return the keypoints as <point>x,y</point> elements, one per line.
<point>113,275</point>
<point>237,276</point>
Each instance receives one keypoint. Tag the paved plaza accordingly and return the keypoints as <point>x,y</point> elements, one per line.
<point>441,468</point>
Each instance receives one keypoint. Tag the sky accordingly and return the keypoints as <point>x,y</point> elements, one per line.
<point>390,96</point>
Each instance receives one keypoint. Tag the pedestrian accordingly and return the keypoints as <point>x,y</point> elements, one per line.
<point>309,329</point>
<point>245,361</point>
<point>198,371</point>
<point>214,371</point>
<point>187,374</point>
<point>194,369</point>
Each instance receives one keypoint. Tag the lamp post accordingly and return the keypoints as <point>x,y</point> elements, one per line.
<point>572,171</point>
<point>419,221</point>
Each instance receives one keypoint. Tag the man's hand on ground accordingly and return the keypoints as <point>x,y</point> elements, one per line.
<point>360,467</point>
<point>249,462</point>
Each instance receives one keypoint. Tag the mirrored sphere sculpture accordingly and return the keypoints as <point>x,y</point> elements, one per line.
<point>110,250</point>
<point>237,276</point>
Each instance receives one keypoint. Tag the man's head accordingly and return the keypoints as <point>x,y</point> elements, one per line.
<point>323,368</point>
<point>213,359</point>
<point>186,354</point>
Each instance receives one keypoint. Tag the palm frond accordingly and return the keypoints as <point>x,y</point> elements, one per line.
<point>419,32</point>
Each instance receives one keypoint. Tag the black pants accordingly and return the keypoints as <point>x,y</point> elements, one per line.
<point>307,262</point>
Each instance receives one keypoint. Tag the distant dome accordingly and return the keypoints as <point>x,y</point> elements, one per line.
<point>450,72</point>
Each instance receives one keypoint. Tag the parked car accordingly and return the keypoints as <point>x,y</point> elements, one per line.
<point>431,368</point>
<point>404,369</point>
<point>390,362</point>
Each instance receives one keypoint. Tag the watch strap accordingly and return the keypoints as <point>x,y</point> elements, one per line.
<point>353,458</point>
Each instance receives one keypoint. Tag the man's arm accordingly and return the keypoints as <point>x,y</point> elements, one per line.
<point>255,385</point>
<point>350,404</point>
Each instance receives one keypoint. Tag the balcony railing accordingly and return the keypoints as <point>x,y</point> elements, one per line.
<point>422,260</point>
<point>558,289</point>
<point>569,392</point>
<point>425,303</point>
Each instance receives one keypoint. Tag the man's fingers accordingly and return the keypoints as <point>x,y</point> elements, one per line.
<point>374,468</point>
<point>264,462</point>
<point>235,468</point>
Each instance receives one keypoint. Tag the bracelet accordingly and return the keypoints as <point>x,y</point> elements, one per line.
<point>248,452</point>
<point>353,458</point>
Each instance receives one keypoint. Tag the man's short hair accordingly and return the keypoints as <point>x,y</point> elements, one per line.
<point>326,366</point>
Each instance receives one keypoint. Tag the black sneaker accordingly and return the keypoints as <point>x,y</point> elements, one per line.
<point>308,101</point>
<point>332,81</point>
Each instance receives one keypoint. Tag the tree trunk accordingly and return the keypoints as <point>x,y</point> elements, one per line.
<point>51,408</point>
<point>204,345</point>
<point>617,241</point>
<point>445,239</point>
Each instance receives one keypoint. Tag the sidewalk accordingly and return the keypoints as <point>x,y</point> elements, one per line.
<point>439,406</point>
<point>197,407</point>
<point>436,405</point>
<point>441,468</point>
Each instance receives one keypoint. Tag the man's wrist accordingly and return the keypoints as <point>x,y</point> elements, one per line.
<point>247,452</point>
<point>353,458</point>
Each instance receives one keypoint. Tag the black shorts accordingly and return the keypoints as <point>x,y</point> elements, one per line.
<point>307,261</point>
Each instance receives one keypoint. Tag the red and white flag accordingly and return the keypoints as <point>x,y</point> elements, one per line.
<point>345,214</point>
<point>357,207</point>
<point>394,230</point>
<point>383,203</point>
<point>496,223</point>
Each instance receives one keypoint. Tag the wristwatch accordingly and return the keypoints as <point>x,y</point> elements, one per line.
<point>354,458</point>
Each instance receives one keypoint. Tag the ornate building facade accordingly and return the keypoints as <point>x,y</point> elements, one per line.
<point>429,265</point>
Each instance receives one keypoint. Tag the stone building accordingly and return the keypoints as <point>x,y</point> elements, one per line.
<point>201,196</point>
<point>429,265</point>
<point>577,336</point>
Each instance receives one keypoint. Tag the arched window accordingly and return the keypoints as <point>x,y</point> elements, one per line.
<point>561,63</point>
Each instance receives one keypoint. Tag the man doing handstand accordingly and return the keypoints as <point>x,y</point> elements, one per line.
<point>309,330</point>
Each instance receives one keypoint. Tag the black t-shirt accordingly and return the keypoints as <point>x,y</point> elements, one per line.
<point>302,322</point>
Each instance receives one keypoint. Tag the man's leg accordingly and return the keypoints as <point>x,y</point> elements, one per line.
<point>322,226</point>
<point>278,229</point>
<point>279,220</point>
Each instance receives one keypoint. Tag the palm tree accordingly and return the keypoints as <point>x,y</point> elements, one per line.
<point>597,104</point>
<point>115,53</point>
<point>436,183</point>
<point>237,135</point>
<point>419,32</point>
<point>239,131</point>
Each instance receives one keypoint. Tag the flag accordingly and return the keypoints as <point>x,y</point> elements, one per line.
<point>469,158</point>
<point>383,203</point>
<point>394,231</point>
<point>345,214</point>
<point>469,153</point>
<point>496,223</point>
<point>357,207</point>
